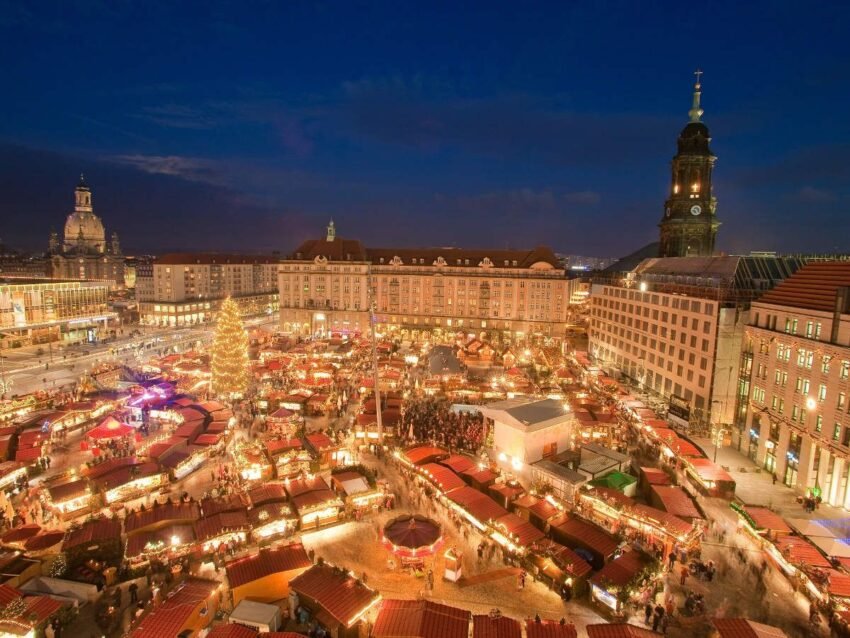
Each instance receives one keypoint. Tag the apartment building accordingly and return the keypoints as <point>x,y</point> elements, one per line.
<point>187,288</point>
<point>798,414</point>
<point>325,289</point>
<point>674,325</point>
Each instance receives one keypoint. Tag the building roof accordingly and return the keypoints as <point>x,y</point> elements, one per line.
<point>266,562</point>
<point>267,493</point>
<point>442,477</point>
<point>479,505</point>
<point>458,463</point>
<point>767,519</point>
<point>744,628</point>
<point>338,593</point>
<point>424,453</point>
<point>620,571</point>
<point>495,627</point>
<point>420,619</point>
<point>159,538</point>
<point>813,287</point>
<point>619,630</point>
<point>159,513</point>
<point>218,524</point>
<point>588,534</point>
<point>168,619</point>
<point>549,629</point>
<point>531,414</point>
<point>180,259</point>
<point>519,530</point>
<point>676,501</point>
<point>94,531</point>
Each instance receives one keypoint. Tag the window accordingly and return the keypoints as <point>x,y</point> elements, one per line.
<point>810,329</point>
<point>822,392</point>
<point>845,370</point>
<point>819,423</point>
<point>836,432</point>
<point>824,366</point>
<point>842,399</point>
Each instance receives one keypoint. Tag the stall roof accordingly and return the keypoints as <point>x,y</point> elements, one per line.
<point>420,619</point>
<point>799,551</point>
<point>161,513</point>
<point>278,446</point>
<point>671,523</point>
<point>676,501</point>
<point>483,476</point>
<point>588,534</point>
<point>94,531</point>
<point>442,477</point>
<point>267,493</point>
<point>655,476</point>
<point>136,543</point>
<point>340,595</point>
<point>709,471</point>
<point>221,523</point>
<point>168,619</point>
<point>458,463</point>
<point>478,504</point>
<point>620,571</point>
<point>495,627</point>
<point>767,519</point>
<point>265,562</point>
<point>619,630</point>
<point>524,533</point>
<point>424,454</point>
<point>745,628</point>
<point>565,558</point>
<point>549,629</point>
<point>66,491</point>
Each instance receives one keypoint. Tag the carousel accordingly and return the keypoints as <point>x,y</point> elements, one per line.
<point>412,538</point>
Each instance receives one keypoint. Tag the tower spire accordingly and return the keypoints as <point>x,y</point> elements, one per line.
<point>696,111</point>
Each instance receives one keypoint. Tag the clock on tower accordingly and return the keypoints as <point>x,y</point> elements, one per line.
<point>689,226</point>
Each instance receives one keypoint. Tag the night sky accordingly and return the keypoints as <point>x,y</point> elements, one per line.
<point>247,125</point>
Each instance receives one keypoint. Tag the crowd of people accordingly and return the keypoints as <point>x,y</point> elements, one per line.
<point>433,420</point>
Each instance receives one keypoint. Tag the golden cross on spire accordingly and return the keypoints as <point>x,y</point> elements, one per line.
<point>698,73</point>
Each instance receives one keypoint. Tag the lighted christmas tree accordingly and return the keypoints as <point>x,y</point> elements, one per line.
<point>229,352</point>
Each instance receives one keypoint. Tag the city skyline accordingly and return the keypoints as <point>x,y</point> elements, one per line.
<point>555,128</point>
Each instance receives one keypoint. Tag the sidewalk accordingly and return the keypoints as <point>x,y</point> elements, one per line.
<point>754,485</point>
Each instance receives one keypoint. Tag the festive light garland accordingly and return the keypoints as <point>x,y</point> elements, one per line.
<point>229,353</point>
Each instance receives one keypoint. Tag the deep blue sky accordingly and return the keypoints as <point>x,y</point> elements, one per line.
<point>246,125</point>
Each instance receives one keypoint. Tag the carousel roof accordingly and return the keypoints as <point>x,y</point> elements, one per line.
<point>412,531</point>
<point>110,428</point>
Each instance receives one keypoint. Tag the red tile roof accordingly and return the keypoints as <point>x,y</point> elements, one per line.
<point>420,619</point>
<point>549,629</point>
<point>665,520</point>
<point>482,476</point>
<point>160,513</point>
<point>424,453</point>
<point>44,541</point>
<point>95,531</point>
<point>588,535</point>
<point>266,562</point>
<point>230,503</point>
<point>8,594</point>
<point>519,530</point>
<point>798,551</point>
<point>839,583</point>
<point>743,628</point>
<point>232,631</point>
<point>319,441</point>
<point>442,477</point>
<point>767,519</point>
<point>268,493</point>
<point>619,630</point>
<point>339,594</point>
<point>814,286</point>
<point>168,619</point>
<point>654,476</point>
<point>495,627</point>
<point>676,501</point>
<point>137,542</point>
<point>620,571</point>
<point>458,463</point>
<point>709,471</point>
<point>221,523</point>
<point>524,258</point>
<point>208,439</point>
<point>478,504</point>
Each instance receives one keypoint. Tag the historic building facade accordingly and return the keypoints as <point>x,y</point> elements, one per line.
<point>327,286</point>
<point>182,289</point>
<point>689,224</point>
<point>797,422</point>
<point>84,252</point>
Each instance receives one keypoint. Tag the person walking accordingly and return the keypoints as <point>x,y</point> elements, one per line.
<point>647,613</point>
<point>684,575</point>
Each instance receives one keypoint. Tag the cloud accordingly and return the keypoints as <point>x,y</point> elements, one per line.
<point>180,116</point>
<point>814,195</point>
<point>188,168</point>
<point>519,202</point>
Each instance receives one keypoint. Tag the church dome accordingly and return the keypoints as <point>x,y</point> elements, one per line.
<point>85,228</point>
<point>694,139</point>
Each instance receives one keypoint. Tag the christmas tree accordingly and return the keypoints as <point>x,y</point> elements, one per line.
<point>229,353</point>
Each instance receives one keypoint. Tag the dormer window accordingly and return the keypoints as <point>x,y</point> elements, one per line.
<point>382,260</point>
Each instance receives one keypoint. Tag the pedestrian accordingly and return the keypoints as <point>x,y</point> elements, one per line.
<point>671,560</point>
<point>647,613</point>
<point>774,478</point>
<point>134,592</point>
<point>684,575</point>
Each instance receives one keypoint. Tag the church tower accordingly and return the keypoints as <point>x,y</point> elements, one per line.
<point>689,225</point>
